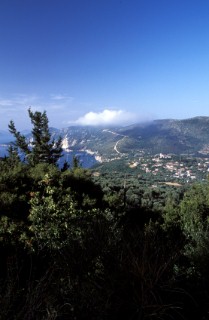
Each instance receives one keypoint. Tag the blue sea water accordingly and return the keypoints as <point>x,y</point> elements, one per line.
<point>85,160</point>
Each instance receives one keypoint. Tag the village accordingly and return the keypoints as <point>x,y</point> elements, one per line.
<point>163,167</point>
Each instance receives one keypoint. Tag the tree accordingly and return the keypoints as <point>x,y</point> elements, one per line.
<point>43,147</point>
<point>194,223</point>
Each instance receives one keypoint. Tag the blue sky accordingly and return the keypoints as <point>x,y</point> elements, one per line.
<point>103,61</point>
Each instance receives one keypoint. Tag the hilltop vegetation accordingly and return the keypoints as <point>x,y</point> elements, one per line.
<point>98,144</point>
<point>75,246</point>
<point>166,136</point>
<point>171,136</point>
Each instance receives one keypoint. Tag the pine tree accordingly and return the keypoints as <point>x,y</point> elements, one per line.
<point>43,147</point>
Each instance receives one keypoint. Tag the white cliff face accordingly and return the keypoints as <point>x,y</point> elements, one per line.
<point>99,159</point>
<point>73,143</point>
<point>65,144</point>
<point>95,154</point>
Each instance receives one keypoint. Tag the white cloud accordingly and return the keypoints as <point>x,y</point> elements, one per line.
<point>106,117</point>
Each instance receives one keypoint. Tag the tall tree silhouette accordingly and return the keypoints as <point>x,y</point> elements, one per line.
<point>42,148</point>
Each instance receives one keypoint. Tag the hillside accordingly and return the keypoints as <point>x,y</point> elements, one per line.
<point>99,144</point>
<point>171,136</point>
<point>189,136</point>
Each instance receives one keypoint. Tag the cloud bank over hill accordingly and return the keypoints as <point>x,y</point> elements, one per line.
<point>63,110</point>
<point>106,117</point>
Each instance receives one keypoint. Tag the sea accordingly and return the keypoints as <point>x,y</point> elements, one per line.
<point>86,160</point>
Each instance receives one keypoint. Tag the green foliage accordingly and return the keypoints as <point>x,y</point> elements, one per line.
<point>56,220</point>
<point>86,192</point>
<point>41,202</point>
<point>76,162</point>
<point>194,211</point>
<point>69,251</point>
<point>13,157</point>
<point>20,139</point>
<point>14,183</point>
<point>38,172</point>
<point>194,221</point>
<point>44,149</point>
<point>171,214</point>
<point>52,261</point>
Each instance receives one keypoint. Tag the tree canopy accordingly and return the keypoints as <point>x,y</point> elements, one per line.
<point>41,148</point>
<point>73,247</point>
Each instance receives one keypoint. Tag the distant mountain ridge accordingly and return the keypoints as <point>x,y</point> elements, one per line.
<point>172,136</point>
<point>187,136</point>
<point>167,136</point>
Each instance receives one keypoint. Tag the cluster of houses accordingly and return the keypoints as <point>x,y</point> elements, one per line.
<point>182,167</point>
